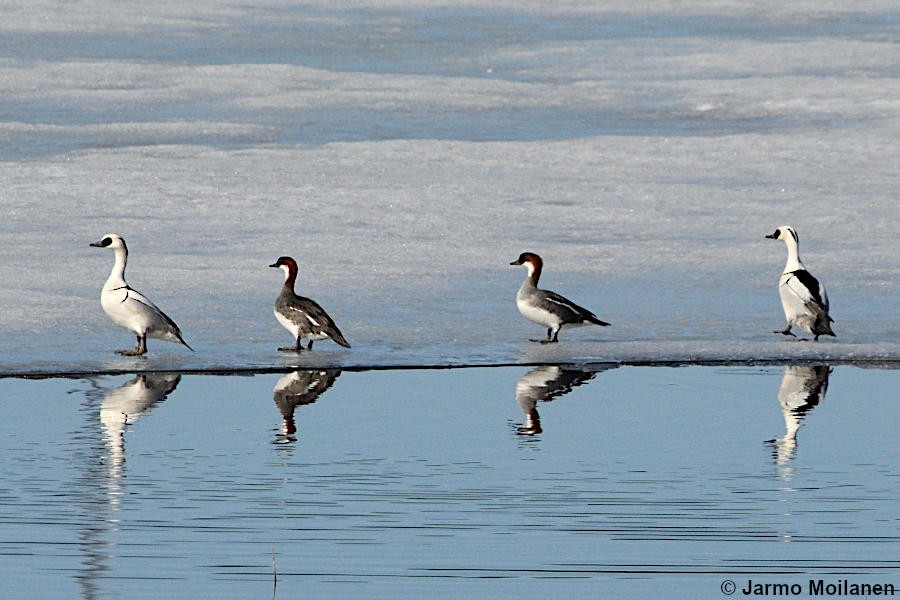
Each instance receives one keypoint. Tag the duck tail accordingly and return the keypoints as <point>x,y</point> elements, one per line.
<point>593,319</point>
<point>338,338</point>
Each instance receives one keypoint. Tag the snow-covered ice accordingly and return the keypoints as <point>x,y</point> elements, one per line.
<point>406,151</point>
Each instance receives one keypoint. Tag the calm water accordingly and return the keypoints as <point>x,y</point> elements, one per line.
<point>492,482</point>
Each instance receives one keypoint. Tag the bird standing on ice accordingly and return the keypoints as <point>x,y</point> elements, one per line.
<point>131,309</point>
<point>803,298</point>
<point>303,317</point>
<point>545,307</point>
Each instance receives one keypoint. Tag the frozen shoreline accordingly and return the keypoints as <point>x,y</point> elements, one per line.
<point>404,152</point>
<point>578,355</point>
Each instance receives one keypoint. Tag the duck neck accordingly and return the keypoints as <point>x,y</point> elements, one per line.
<point>793,260</point>
<point>117,275</point>
<point>290,277</point>
<point>534,274</point>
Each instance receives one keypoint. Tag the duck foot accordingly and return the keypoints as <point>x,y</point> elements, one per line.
<point>140,348</point>
<point>132,352</point>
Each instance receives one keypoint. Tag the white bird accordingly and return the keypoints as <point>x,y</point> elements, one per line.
<point>303,317</point>
<point>802,389</point>
<point>803,298</point>
<point>545,307</point>
<point>129,308</point>
<point>126,404</point>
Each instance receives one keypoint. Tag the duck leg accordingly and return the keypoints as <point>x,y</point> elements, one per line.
<point>140,348</point>
<point>545,340</point>
<point>551,337</point>
<point>786,331</point>
<point>297,347</point>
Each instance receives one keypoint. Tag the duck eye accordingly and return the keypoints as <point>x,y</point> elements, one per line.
<point>106,242</point>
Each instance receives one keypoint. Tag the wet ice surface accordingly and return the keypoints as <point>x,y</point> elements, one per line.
<point>405,152</point>
<point>502,482</point>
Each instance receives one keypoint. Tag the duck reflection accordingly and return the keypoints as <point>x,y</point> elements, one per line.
<point>101,479</point>
<point>296,389</point>
<point>124,405</point>
<point>543,384</point>
<point>802,389</point>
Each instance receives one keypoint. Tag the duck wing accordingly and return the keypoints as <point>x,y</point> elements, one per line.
<point>139,301</point>
<point>808,290</point>
<point>567,310</point>
<point>310,316</point>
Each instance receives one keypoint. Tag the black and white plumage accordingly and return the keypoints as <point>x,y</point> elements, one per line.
<point>802,389</point>
<point>545,307</point>
<point>548,382</point>
<point>543,384</point>
<point>300,388</point>
<point>129,308</point>
<point>303,317</point>
<point>803,298</point>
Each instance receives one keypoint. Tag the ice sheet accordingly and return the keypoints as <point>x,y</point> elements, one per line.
<point>406,152</point>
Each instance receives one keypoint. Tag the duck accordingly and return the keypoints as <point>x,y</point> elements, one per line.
<point>545,307</point>
<point>803,297</point>
<point>802,389</point>
<point>131,309</point>
<point>543,384</point>
<point>299,388</point>
<point>303,317</point>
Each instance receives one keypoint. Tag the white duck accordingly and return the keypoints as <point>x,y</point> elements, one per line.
<point>803,298</point>
<point>129,308</point>
<point>802,389</point>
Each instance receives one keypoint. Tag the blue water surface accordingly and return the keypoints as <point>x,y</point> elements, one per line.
<point>485,482</point>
